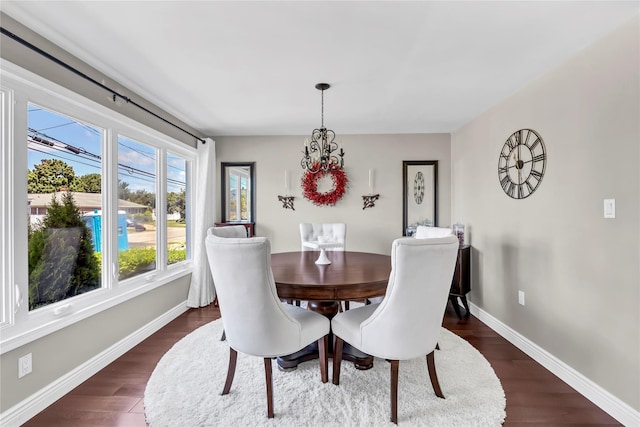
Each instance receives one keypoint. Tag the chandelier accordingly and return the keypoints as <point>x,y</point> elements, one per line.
<point>321,153</point>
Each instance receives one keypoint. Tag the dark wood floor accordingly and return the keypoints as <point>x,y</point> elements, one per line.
<point>114,396</point>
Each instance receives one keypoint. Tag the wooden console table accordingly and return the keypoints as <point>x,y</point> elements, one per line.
<point>461,283</point>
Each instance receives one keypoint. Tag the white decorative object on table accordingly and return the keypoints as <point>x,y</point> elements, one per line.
<point>322,259</point>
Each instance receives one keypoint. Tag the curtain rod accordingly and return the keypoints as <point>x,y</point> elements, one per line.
<point>92,80</point>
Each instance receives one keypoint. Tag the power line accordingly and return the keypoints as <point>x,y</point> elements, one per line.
<point>144,175</point>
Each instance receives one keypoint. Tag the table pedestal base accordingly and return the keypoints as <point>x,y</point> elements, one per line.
<point>361,361</point>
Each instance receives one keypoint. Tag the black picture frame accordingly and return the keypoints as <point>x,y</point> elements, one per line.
<point>420,194</point>
<point>249,169</point>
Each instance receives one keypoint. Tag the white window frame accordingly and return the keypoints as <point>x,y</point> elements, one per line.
<point>18,325</point>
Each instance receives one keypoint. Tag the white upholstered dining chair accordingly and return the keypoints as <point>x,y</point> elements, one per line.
<point>333,232</point>
<point>254,319</point>
<point>406,324</point>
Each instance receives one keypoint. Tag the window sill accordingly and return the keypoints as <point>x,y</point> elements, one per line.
<point>58,316</point>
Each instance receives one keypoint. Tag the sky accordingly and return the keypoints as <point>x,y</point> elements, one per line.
<point>79,145</point>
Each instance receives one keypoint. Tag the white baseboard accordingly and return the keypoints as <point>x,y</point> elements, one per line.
<point>613,406</point>
<point>37,402</point>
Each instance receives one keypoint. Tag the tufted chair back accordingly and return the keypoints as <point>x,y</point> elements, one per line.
<point>336,232</point>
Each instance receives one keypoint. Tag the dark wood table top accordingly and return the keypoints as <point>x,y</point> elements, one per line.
<point>351,275</point>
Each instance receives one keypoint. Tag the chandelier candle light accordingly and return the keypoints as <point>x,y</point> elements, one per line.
<point>321,153</point>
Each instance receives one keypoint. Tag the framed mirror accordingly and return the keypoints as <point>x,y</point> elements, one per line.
<point>420,194</point>
<point>238,192</point>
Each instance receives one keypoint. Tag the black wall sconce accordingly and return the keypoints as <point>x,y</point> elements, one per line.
<point>287,202</point>
<point>369,200</point>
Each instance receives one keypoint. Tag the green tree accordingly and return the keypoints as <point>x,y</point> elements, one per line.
<point>143,197</point>
<point>176,202</point>
<point>90,183</point>
<point>123,190</point>
<point>61,256</point>
<point>50,176</point>
<point>243,204</point>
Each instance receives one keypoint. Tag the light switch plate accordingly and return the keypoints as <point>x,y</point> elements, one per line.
<point>521,297</point>
<point>609,208</point>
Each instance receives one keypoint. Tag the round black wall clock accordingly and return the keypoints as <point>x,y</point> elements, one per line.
<point>522,163</point>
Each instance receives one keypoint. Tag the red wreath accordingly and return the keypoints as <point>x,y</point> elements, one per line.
<point>310,186</point>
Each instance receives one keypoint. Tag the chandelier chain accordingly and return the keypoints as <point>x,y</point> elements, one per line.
<point>322,108</point>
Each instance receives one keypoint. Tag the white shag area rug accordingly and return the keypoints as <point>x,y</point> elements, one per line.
<point>184,389</point>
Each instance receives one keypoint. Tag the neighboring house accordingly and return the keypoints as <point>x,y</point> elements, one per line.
<point>86,202</point>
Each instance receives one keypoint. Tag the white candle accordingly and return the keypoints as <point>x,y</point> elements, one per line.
<point>286,181</point>
<point>370,181</point>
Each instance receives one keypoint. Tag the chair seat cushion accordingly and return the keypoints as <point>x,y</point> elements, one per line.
<point>313,325</point>
<point>346,325</point>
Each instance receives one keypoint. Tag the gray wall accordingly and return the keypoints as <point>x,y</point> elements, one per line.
<point>579,272</point>
<point>368,230</point>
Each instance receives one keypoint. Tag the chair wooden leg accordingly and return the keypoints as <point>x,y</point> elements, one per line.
<point>394,390</point>
<point>323,345</point>
<point>233,357</point>
<point>346,305</point>
<point>431,366</point>
<point>337,359</point>
<point>269,380</point>
<point>224,336</point>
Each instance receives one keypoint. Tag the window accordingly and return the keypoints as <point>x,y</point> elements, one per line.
<point>65,201</point>
<point>177,227</point>
<point>136,208</point>
<point>95,208</point>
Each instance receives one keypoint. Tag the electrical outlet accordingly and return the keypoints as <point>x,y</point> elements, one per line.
<point>609,208</point>
<point>521,297</point>
<point>25,365</point>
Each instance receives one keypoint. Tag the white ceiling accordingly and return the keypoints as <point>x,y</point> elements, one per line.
<point>249,68</point>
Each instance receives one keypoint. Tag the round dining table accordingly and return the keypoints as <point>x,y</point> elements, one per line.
<point>351,276</point>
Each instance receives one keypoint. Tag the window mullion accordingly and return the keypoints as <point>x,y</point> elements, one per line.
<point>161,209</point>
<point>18,218</point>
<point>110,209</point>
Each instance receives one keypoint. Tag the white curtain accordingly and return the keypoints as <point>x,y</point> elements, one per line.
<point>202,292</point>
